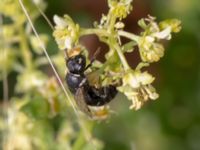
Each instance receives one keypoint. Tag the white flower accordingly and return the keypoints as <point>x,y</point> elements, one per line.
<point>120,8</point>
<point>137,87</point>
<point>164,34</point>
<point>151,50</point>
<point>68,43</point>
<point>60,22</point>
<point>135,79</point>
<point>66,32</point>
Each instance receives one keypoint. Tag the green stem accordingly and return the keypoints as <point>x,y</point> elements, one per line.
<point>103,32</point>
<point>26,55</point>
<point>98,32</point>
<point>121,56</point>
<point>128,35</point>
<point>111,22</point>
<point>112,42</point>
<point>79,141</point>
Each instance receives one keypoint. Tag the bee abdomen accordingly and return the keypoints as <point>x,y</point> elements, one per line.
<point>100,96</point>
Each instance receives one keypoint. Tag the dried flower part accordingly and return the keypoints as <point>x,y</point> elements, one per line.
<point>73,52</point>
<point>66,32</point>
<point>100,113</point>
<point>151,50</point>
<point>137,87</point>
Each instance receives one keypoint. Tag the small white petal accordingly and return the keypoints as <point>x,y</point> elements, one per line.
<point>68,43</point>
<point>145,78</point>
<point>165,34</point>
<point>119,25</point>
<point>133,82</point>
<point>59,21</point>
<point>149,39</point>
<point>154,96</point>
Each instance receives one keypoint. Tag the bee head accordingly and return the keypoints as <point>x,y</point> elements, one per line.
<point>76,64</point>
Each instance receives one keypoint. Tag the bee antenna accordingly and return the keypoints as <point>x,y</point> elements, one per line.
<point>66,54</point>
<point>96,53</point>
<point>93,58</point>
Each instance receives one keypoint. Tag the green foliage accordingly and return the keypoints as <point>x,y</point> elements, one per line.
<point>36,108</point>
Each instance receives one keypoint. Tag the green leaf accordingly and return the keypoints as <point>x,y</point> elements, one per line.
<point>36,108</point>
<point>129,47</point>
<point>142,24</point>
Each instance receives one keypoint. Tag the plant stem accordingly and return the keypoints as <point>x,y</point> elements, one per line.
<point>103,32</point>
<point>79,141</point>
<point>113,44</point>
<point>98,32</point>
<point>128,35</point>
<point>26,54</point>
<point>122,57</point>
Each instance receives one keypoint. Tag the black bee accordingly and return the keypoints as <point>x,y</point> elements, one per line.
<point>85,94</point>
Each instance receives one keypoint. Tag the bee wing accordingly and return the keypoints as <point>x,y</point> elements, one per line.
<point>80,101</point>
<point>93,78</point>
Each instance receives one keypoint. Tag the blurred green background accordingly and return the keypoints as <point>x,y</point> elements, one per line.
<point>173,121</point>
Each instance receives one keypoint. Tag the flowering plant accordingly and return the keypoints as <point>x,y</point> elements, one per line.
<point>136,84</point>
